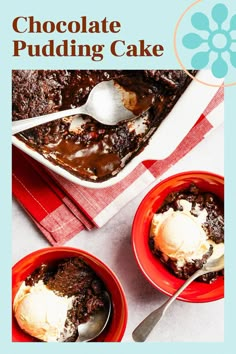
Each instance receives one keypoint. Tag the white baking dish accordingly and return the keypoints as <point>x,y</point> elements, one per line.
<point>163,142</point>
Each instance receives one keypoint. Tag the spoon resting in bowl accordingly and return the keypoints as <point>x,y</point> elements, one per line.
<point>142,331</point>
<point>108,103</point>
<point>96,324</point>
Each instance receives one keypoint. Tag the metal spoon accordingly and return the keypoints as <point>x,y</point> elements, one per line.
<point>97,322</point>
<point>108,103</point>
<point>142,331</point>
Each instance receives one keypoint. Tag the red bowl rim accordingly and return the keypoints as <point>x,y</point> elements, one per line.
<point>89,258</point>
<point>183,296</point>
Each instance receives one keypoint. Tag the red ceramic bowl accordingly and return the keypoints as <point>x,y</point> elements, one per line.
<point>117,324</point>
<point>159,276</point>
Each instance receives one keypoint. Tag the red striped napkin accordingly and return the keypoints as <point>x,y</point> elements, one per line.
<point>61,209</point>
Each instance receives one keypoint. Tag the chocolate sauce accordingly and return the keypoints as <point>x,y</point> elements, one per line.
<point>86,160</point>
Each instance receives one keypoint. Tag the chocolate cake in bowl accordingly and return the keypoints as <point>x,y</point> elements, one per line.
<point>178,225</point>
<point>56,298</point>
<point>57,289</point>
<point>95,152</point>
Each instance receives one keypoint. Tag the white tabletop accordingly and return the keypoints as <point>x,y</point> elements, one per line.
<point>183,322</point>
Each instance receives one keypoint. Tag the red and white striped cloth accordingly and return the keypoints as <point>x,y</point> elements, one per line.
<point>62,209</point>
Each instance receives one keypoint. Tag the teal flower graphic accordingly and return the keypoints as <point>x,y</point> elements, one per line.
<point>219,41</point>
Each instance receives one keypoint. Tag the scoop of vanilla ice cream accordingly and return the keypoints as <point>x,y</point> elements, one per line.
<point>179,235</point>
<point>40,312</point>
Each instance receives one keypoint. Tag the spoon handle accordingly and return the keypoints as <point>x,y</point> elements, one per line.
<point>24,124</point>
<point>142,331</point>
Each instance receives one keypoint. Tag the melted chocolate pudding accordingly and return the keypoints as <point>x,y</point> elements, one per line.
<point>94,152</point>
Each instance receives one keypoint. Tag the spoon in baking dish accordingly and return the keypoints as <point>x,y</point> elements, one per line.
<point>96,324</point>
<point>142,331</point>
<point>108,103</point>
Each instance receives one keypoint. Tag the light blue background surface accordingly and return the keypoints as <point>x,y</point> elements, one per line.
<point>155,27</point>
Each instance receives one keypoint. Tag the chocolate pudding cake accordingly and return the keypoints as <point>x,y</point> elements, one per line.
<point>56,298</point>
<point>186,230</point>
<point>94,152</point>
